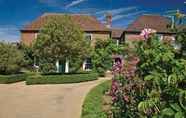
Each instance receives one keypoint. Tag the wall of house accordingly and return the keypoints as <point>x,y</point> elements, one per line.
<point>27,38</point>
<point>99,35</point>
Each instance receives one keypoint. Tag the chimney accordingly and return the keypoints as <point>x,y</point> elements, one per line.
<point>108,20</point>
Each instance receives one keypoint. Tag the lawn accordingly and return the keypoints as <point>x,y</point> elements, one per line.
<point>93,104</point>
<point>61,78</point>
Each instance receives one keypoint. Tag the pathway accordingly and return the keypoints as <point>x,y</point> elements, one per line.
<point>44,101</point>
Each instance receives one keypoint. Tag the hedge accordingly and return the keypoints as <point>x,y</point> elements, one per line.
<point>61,79</point>
<point>92,107</point>
<point>8,79</point>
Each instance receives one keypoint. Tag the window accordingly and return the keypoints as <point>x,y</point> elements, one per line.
<point>88,37</point>
<point>87,64</point>
<point>160,36</point>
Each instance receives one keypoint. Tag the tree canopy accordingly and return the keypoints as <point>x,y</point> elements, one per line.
<point>59,39</point>
<point>11,59</point>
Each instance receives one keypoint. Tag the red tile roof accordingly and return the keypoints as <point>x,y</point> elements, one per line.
<point>87,23</point>
<point>157,22</point>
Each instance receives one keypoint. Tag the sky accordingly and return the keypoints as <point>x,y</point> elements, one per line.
<point>15,14</point>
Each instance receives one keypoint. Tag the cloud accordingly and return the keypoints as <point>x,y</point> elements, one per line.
<point>74,3</point>
<point>9,34</point>
<point>117,11</point>
<point>118,17</point>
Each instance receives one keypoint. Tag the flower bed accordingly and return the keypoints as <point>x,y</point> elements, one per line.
<point>92,107</point>
<point>61,79</point>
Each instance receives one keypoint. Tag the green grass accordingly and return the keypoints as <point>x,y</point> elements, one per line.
<point>61,79</point>
<point>92,107</point>
<point>8,79</point>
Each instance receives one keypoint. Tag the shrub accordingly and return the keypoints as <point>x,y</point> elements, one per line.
<point>148,83</point>
<point>7,79</point>
<point>11,59</point>
<point>102,55</point>
<point>61,79</point>
<point>92,106</point>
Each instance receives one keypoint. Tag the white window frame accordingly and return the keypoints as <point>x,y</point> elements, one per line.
<point>84,65</point>
<point>35,35</point>
<point>88,34</point>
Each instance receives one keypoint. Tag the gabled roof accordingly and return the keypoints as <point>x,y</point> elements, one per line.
<point>116,33</point>
<point>157,22</point>
<point>86,22</point>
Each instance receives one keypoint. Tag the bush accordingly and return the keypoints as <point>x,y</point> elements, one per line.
<point>7,79</point>
<point>102,55</point>
<point>92,106</point>
<point>61,79</point>
<point>47,68</point>
<point>11,59</point>
<point>147,84</point>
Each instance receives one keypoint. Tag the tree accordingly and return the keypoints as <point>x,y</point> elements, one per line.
<point>28,55</point>
<point>60,39</point>
<point>102,55</point>
<point>11,59</point>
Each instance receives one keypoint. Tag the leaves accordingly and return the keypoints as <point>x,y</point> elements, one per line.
<point>168,112</point>
<point>59,39</point>
<point>11,59</point>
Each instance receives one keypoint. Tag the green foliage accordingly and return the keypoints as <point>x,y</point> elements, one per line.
<point>47,68</point>
<point>61,79</point>
<point>11,59</point>
<point>163,74</point>
<point>8,79</point>
<point>102,55</point>
<point>28,55</point>
<point>60,39</point>
<point>92,106</point>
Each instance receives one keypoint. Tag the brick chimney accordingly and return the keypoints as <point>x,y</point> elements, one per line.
<point>108,20</point>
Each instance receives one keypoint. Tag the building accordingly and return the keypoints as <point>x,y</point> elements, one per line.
<point>159,23</point>
<point>92,28</point>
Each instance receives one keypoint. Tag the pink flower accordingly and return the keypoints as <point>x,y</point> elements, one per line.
<point>126,98</point>
<point>147,32</point>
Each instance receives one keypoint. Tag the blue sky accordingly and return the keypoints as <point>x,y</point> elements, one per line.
<point>14,14</point>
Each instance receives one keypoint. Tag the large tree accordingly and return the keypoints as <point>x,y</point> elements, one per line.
<point>60,39</point>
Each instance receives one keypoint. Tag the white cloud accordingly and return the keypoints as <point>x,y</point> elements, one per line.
<point>9,34</point>
<point>74,3</point>
<point>118,17</point>
<point>117,11</point>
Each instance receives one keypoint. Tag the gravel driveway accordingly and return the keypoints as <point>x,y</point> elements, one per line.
<point>44,101</point>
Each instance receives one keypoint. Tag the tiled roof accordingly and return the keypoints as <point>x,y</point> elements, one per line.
<point>157,22</point>
<point>116,33</point>
<point>86,22</point>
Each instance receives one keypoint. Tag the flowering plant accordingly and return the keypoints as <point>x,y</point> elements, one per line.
<point>146,33</point>
<point>149,82</point>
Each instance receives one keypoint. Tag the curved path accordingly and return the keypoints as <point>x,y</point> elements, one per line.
<point>44,101</point>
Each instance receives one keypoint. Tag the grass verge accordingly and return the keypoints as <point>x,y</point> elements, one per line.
<point>61,79</point>
<point>92,107</point>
